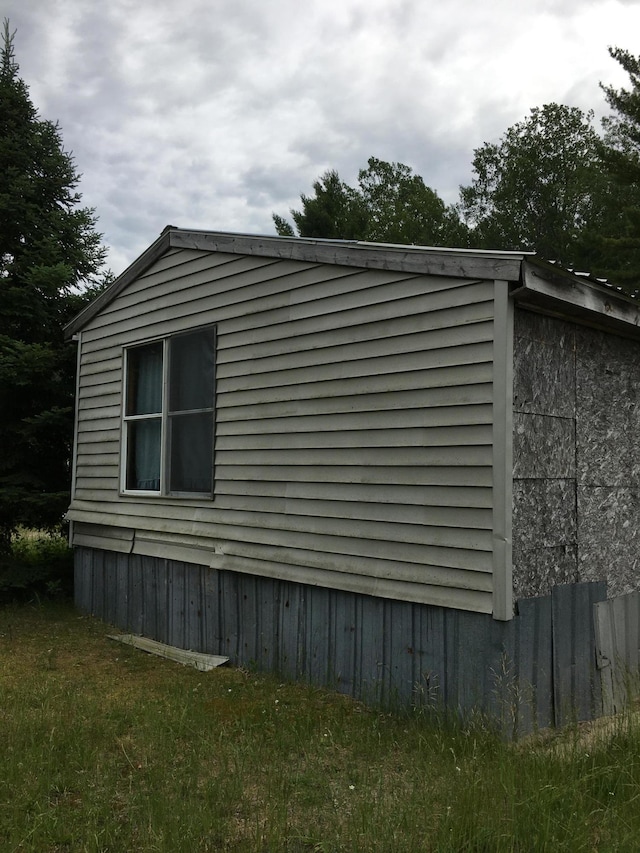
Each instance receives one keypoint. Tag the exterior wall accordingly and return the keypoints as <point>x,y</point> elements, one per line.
<point>354,439</point>
<point>544,454</point>
<point>576,452</point>
<point>535,670</point>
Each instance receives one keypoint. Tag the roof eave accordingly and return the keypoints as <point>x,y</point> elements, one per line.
<point>537,283</point>
<point>138,267</point>
<point>419,260</point>
<point>549,288</point>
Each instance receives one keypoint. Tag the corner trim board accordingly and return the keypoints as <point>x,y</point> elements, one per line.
<point>502,452</point>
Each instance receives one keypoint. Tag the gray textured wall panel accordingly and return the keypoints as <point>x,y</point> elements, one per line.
<point>544,365</point>
<point>538,569</point>
<point>608,459</point>
<point>576,491</point>
<point>544,512</point>
<point>545,521</point>
<point>543,446</point>
<point>609,536</point>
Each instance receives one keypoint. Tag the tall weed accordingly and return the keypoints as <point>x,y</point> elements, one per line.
<point>40,564</point>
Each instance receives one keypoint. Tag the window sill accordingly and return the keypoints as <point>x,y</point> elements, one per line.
<point>172,496</point>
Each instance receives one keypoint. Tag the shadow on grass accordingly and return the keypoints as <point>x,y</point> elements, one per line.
<point>39,566</point>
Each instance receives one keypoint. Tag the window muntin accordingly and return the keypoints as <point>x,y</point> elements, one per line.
<point>169,415</point>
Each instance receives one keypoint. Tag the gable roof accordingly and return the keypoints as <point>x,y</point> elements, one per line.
<point>535,282</point>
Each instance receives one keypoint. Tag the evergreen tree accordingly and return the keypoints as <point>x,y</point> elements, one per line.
<point>334,212</point>
<point>49,253</point>
<point>391,204</point>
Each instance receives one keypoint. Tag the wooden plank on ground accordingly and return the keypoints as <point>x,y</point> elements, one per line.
<point>199,660</point>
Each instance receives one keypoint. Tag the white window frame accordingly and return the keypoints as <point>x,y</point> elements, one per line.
<point>165,421</point>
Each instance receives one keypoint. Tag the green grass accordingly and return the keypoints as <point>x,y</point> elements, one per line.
<point>105,748</point>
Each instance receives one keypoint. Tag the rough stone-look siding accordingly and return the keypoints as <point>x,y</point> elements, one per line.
<point>608,460</point>
<point>576,456</point>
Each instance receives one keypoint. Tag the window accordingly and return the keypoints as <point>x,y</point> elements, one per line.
<point>169,415</point>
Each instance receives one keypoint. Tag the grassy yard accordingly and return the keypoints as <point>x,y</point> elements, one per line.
<point>105,748</point>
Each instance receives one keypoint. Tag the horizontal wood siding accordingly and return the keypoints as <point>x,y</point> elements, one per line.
<point>354,426</point>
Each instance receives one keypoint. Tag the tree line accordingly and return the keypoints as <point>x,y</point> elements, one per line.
<point>551,184</point>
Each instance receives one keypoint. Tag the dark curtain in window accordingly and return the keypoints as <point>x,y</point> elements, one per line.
<point>143,468</point>
<point>144,381</point>
<point>144,396</point>
<point>191,453</point>
<point>191,399</point>
<point>192,372</point>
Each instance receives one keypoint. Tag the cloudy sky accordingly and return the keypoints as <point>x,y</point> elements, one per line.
<point>215,113</point>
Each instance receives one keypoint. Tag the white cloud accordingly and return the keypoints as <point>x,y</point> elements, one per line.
<point>218,113</point>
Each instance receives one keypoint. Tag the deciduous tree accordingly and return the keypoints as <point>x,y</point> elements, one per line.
<point>539,187</point>
<point>403,209</point>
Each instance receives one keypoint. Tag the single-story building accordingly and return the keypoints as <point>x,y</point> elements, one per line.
<point>309,454</point>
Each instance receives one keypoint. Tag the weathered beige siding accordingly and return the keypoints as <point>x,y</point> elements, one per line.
<point>354,426</point>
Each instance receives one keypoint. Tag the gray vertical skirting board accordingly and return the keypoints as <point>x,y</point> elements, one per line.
<point>533,655</point>
<point>618,649</point>
<point>136,596</point>
<point>576,690</point>
<point>535,670</point>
